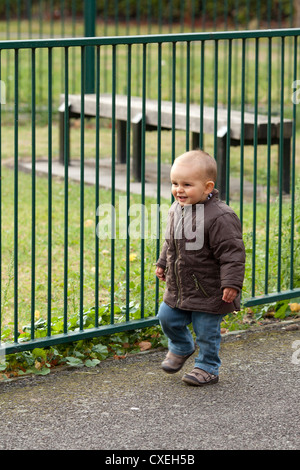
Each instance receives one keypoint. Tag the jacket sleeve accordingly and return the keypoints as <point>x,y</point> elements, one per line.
<point>228,248</point>
<point>162,260</point>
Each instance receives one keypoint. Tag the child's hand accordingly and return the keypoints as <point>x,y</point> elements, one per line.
<point>160,273</point>
<point>229,294</point>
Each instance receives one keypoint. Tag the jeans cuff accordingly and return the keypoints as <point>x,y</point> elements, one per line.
<point>207,368</point>
<point>180,353</point>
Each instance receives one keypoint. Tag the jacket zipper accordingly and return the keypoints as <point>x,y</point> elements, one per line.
<point>175,264</point>
<point>176,275</point>
<point>199,286</point>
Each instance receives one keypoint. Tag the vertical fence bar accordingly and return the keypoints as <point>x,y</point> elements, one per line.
<point>143,150</point>
<point>170,22</point>
<point>280,165</point>
<point>193,52</point>
<point>243,73</point>
<point>105,49</point>
<point>49,190</point>
<point>181,50</point>
<point>188,70</point>
<point>268,165</point>
<point>66,188</point>
<point>149,48</point>
<point>0,200</point>
<point>128,179</point>
<point>201,137</point>
<point>173,98</point>
<point>97,176</point>
<point>16,137</point>
<point>216,100</point>
<point>7,15</point>
<point>293,170</point>
<point>90,31</point>
<point>74,49</point>
<point>228,122</point>
<point>158,218</point>
<point>83,80</point>
<point>255,167</point>
<point>40,51</point>
<point>113,156</point>
<point>33,190</point>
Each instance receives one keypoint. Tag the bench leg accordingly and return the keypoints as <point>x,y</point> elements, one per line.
<point>196,140</point>
<point>137,148</point>
<point>62,138</point>
<point>286,165</point>
<point>221,163</point>
<point>121,141</point>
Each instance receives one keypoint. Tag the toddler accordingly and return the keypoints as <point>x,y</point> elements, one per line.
<point>203,262</point>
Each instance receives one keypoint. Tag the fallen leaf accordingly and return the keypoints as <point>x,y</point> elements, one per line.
<point>224,330</point>
<point>144,345</point>
<point>116,356</point>
<point>294,307</point>
<point>88,223</point>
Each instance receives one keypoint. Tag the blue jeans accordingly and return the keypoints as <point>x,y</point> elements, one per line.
<point>174,323</point>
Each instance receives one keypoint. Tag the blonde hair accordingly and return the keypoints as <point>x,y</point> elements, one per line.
<point>204,160</point>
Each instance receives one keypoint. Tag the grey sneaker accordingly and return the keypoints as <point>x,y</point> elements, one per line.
<point>173,362</point>
<point>200,377</point>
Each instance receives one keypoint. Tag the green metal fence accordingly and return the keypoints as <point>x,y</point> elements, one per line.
<point>73,18</point>
<point>84,254</point>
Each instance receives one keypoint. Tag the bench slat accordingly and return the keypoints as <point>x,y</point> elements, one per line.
<point>105,110</point>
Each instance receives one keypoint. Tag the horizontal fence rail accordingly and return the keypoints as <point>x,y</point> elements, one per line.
<point>84,254</point>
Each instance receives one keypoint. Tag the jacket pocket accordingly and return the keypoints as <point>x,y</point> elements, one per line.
<point>198,286</point>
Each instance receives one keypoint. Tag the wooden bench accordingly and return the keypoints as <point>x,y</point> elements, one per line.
<point>151,114</point>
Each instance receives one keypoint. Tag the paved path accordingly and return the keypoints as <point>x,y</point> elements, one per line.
<point>120,178</point>
<point>131,404</point>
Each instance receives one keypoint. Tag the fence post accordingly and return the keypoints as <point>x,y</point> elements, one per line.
<point>90,31</point>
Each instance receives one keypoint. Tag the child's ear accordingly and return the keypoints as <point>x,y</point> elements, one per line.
<point>209,186</point>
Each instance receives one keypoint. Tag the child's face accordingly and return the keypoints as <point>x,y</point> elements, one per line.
<point>188,184</point>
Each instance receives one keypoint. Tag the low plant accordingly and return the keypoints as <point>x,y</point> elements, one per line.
<point>83,353</point>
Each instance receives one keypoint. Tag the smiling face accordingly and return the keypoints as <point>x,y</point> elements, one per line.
<point>190,184</point>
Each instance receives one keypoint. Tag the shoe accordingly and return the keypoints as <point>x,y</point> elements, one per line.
<point>200,377</point>
<point>173,362</point>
